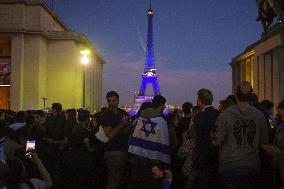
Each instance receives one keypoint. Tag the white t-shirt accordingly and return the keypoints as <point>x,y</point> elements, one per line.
<point>38,184</point>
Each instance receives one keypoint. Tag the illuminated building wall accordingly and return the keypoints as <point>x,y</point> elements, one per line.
<point>262,64</point>
<point>46,60</point>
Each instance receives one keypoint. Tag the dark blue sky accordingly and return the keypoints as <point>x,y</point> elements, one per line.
<point>194,41</point>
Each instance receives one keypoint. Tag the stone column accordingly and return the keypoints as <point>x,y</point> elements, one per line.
<point>255,76</point>
<point>92,84</point>
<point>268,77</point>
<point>281,72</point>
<point>276,78</point>
<point>100,94</point>
<point>17,64</point>
<point>261,93</point>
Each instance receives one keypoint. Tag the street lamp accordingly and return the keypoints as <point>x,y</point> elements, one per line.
<point>85,60</point>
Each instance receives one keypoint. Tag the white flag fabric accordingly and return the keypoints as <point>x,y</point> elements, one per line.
<point>101,136</point>
<point>151,139</point>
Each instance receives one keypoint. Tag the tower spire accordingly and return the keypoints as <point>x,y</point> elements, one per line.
<point>150,11</point>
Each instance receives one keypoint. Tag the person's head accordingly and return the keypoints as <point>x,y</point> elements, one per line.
<point>205,98</point>
<point>172,119</point>
<point>112,99</point>
<point>244,92</point>
<point>9,117</point>
<point>38,117</point>
<point>281,111</point>
<point>186,108</point>
<point>144,106</point>
<point>30,120</point>
<point>83,117</point>
<point>56,108</point>
<point>159,102</point>
<point>233,98</point>
<point>20,117</point>
<point>195,111</point>
<point>71,115</point>
<point>224,104</point>
<point>267,106</point>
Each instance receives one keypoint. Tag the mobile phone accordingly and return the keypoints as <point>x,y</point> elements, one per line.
<point>30,146</point>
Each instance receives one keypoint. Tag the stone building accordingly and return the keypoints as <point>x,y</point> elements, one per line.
<point>262,64</point>
<point>40,58</point>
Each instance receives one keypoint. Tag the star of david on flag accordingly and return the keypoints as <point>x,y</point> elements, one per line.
<point>146,129</point>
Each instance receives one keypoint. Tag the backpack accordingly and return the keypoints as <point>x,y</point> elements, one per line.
<point>2,153</point>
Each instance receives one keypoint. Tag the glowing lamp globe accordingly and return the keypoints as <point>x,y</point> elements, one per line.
<point>85,60</point>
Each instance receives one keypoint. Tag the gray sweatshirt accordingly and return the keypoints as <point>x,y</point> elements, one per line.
<point>240,130</point>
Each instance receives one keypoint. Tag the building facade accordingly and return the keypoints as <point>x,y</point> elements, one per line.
<point>40,60</point>
<point>262,64</point>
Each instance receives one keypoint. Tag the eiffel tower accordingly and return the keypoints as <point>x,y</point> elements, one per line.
<point>150,73</point>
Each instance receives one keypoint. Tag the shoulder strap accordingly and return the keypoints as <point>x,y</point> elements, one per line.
<point>30,184</point>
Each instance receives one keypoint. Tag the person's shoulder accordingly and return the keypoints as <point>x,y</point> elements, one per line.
<point>210,110</point>
<point>158,118</point>
<point>107,112</point>
<point>258,113</point>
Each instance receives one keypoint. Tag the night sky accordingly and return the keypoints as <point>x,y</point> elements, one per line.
<point>194,41</point>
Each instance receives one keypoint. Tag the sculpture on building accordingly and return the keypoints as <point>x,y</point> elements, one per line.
<point>268,10</point>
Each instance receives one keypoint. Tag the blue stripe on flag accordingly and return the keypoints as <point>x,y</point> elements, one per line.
<point>154,146</point>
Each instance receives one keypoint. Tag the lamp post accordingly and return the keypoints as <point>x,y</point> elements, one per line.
<point>85,61</point>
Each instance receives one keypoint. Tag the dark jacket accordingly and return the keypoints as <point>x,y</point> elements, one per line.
<point>207,153</point>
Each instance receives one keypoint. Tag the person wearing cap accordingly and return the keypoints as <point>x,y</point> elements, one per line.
<point>240,131</point>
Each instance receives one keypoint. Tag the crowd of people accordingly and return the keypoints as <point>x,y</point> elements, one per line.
<point>238,146</point>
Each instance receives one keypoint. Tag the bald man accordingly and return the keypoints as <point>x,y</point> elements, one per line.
<point>240,131</point>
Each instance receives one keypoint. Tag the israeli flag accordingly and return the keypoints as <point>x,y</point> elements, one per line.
<point>151,139</point>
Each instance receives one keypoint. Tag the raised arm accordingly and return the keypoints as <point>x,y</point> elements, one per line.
<point>43,172</point>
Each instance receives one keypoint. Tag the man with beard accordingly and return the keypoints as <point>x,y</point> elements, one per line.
<point>116,149</point>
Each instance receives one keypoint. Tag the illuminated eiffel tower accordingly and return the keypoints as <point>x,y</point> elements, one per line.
<point>150,73</point>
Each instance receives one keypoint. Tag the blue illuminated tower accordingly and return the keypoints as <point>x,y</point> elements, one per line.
<point>150,75</point>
